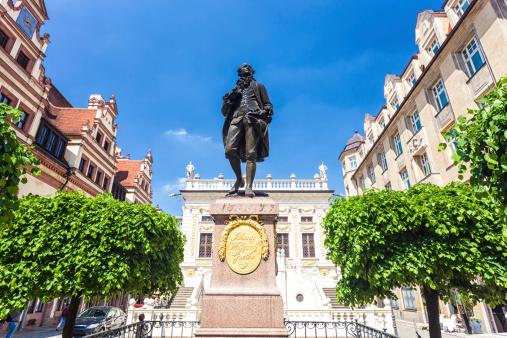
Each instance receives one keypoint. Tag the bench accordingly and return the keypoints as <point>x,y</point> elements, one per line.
<point>31,322</point>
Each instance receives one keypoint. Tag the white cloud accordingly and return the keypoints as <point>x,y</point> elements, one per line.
<point>182,134</point>
<point>175,185</point>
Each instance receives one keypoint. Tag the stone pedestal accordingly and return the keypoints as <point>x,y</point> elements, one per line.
<point>243,305</point>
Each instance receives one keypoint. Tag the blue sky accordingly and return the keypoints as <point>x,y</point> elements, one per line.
<point>169,63</point>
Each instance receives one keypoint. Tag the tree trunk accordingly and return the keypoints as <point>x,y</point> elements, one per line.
<point>71,316</point>
<point>431,297</point>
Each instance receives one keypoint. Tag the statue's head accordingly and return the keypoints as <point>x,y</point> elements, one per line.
<point>190,162</point>
<point>245,70</point>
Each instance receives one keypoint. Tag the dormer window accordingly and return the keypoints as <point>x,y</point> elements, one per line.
<point>412,80</point>
<point>461,7</point>
<point>395,105</point>
<point>434,46</point>
<point>22,60</point>
<point>3,39</point>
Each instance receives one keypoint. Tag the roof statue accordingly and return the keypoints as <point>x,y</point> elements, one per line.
<point>190,171</point>
<point>322,170</point>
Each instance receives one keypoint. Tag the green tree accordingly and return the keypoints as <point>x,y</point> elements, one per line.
<point>73,246</point>
<point>481,143</point>
<point>14,159</point>
<point>439,238</point>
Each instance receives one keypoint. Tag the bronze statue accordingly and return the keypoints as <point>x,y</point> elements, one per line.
<point>247,112</point>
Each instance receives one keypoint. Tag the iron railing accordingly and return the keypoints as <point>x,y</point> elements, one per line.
<point>334,329</point>
<point>148,329</point>
<point>170,329</point>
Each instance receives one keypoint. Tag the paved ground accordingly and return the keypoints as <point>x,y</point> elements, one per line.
<point>497,335</point>
<point>35,332</point>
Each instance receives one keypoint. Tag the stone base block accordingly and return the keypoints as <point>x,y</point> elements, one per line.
<point>250,333</point>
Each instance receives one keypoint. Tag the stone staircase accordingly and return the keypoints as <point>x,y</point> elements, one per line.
<point>179,298</point>
<point>331,294</point>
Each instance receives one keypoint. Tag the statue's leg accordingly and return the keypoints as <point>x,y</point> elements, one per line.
<point>234,137</point>
<point>251,142</point>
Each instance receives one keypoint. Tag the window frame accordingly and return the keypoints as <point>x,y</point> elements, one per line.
<point>415,122</point>
<point>206,218</point>
<point>89,173</point>
<point>425,164</point>
<point>306,219</point>
<point>468,57</point>
<point>372,174</point>
<point>98,137</point>
<point>412,79</point>
<point>82,165</point>
<point>283,242</point>
<point>432,51</point>
<point>282,219</point>
<point>461,7</point>
<point>397,144</point>
<point>106,146</point>
<point>208,242</point>
<point>22,121</point>
<point>6,39</point>
<point>412,299</point>
<point>383,159</point>
<point>48,138</point>
<point>363,183</point>
<point>98,176</point>
<point>308,246</point>
<point>437,95</point>
<point>27,60</point>
<point>5,99</point>
<point>353,163</point>
<point>105,182</point>
<point>405,179</point>
<point>395,104</point>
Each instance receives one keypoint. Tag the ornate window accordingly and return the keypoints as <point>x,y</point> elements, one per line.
<point>353,163</point>
<point>51,140</point>
<point>97,177</point>
<point>415,121</point>
<point>307,219</point>
<point>409,299</point>
<point>3,39</point>
<point>22,121</point>
<point>283,219</point>
<point>283,243</point>
<point>405,179</point>
<point>205,246</point>
<point>425,164</point>
<point>461,7</point>
<point>206,219</point>
<point>90,171</point>
<point>82,163</point>
<point>397,145</point>
<point>440,95</point>
<point>372,173</point>
<point>434,47</point>
<point>5,99</point>
<point>472,55</point>
<point>22,60</point>
<point>384,161</point>
<point>308,246</point>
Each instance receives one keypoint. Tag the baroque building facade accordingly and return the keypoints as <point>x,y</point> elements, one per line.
<point>305,278</point>
<point>76,147</point>
<point>462,53</point>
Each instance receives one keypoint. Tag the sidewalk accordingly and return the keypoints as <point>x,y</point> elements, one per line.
<point>35,332</point>
<point>483,335</point>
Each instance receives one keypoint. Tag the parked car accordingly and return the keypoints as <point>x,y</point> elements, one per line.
<point>98,318</point>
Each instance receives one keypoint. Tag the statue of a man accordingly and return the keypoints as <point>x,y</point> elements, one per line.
<point>190,171</point>
<point>322,169</point>
<point>247,111</point>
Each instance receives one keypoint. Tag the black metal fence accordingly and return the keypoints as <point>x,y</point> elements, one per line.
<point>334,329</point>
<point>173,329</point>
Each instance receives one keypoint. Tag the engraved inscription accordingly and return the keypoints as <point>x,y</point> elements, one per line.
<point>243,249</point>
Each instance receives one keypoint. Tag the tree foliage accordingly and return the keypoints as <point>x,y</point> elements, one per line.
<point>481,142</point>
<point>72,246</point>
<point>440,238</point>
<point>14,158</point>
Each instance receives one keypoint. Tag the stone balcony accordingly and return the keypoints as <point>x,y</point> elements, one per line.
<point>268,184</point>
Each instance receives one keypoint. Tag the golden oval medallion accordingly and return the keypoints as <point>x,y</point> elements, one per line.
<point>243,249</point>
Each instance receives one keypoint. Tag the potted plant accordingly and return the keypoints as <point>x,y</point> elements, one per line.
<point>476,327</point>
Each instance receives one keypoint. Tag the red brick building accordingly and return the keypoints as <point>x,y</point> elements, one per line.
<point>76,146</point>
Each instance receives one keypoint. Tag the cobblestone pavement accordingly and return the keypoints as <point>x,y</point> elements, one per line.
<point>34,332</point>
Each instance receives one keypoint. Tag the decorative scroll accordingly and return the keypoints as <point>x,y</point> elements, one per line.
<point>203,210</point>
<point>306,210</point>
<point>307,263</point>
<point>284,210</point>
<point>206,227</point>
<point>280,227</point>
<point>308,227</point>
<point>203,263</point>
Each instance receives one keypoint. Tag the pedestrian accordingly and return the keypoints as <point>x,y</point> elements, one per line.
<point>13,320</point>
<point>63,317</point>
